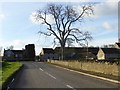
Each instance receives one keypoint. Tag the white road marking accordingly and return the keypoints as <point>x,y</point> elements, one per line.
<point>50,75</point>
<point>110,80</point>
<point>70,87</point>
<point>8,88</point>
<point>41,69</point>
<point>12,80</point>
<point>10,84</point>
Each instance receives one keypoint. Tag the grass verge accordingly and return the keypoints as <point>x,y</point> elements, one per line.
<point>90,72</point>
<point>8,69</point>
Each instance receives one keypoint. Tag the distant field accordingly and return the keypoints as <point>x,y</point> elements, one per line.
<point>8,68</point>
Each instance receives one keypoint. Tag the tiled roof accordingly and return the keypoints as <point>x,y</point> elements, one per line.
<point>93,50</point>
<point>70,49</point>
<point>110,50</point>
<point>48,50</point>
<point>17,51</point>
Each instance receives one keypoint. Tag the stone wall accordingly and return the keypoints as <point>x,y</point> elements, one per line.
<point>105,68</point>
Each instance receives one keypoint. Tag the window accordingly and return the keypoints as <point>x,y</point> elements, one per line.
<point>16,55</point>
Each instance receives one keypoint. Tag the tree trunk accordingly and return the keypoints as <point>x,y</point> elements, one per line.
<point>62,50</point>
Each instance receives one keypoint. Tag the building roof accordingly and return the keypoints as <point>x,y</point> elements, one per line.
<point>15,51</point>
<point>70,49</point>
<point>48,50</point>
<point>110,50</point>
<point>118,44</point>
<point>93,50</point>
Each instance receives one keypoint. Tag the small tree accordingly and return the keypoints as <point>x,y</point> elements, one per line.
<point>64,23</point>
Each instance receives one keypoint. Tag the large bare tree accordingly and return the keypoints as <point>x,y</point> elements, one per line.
<point>65,20</point>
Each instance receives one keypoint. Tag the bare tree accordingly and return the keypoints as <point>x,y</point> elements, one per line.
<point>65,21</point>
<point>11,47</point>
<point>70,42</point>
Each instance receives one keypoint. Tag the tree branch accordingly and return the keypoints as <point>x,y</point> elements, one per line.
<point>47,33</point>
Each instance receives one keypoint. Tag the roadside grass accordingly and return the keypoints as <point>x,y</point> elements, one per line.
<point>90,72</point>
<point>8,68</point>
<point>0,78</point>
<point>0,72</point>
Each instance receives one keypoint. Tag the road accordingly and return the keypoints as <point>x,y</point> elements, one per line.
<point>42,75</point>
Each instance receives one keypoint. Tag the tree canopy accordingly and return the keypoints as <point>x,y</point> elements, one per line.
<point>63,26</point>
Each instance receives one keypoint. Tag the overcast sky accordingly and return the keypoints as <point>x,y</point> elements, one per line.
<point>17,27</point>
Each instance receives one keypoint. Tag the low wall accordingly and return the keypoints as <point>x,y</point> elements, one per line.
<point>105,68</point>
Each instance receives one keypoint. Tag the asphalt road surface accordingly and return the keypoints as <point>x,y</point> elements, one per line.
<point>42,75</point>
